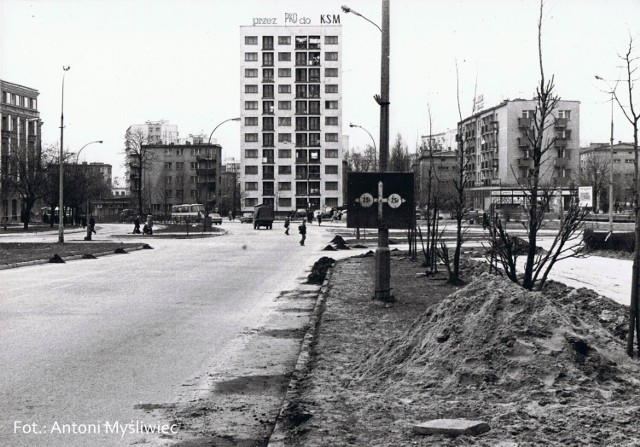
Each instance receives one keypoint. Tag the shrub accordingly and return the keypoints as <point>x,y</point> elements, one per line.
<point>617,241</point>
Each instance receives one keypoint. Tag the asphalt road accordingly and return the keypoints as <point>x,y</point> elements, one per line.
<point>88,341</point>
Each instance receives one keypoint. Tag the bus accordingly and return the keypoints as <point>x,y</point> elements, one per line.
<point>187,212</point>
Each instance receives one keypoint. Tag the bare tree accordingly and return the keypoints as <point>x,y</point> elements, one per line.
<point>24,175</point>
<point>459,202</point>
<point>594,171</point>
<point>82,183</point>
<point>140,159</point>
<point>50,160</point>
<point>567,242</point>
<point>628,107</point>
<point>361,161</point>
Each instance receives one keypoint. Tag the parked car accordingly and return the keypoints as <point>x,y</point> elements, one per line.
<point>216,219</point>
<point>246,218</point>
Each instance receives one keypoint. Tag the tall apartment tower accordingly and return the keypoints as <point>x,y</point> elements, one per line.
<point>291,108</point>
<point>498,152</point>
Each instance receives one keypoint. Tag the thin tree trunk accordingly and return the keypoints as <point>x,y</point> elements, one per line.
<point>634,322</point>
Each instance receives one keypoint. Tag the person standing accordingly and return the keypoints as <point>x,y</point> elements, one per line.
<point>136,225</point>
<point>303,232</point>
<point>287,222</point>
<point>150,225</point>
<point>319,217</point>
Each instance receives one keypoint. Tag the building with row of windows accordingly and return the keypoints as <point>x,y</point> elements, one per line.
<point>622,157</point>
<point>20,132</point>
<point>176,174</point>
<point>291,109</point>
<point>498,152</point>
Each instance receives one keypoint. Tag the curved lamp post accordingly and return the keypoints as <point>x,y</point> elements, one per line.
<point>60,165</point>
<point>91,142</point>
<point>88,237</point>
<point>215,128</point>
<point>348,10</point>
<point>206,210</point>
<point>375,150</point>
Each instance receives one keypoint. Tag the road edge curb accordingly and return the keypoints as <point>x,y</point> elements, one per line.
<point>277,437</point>
<point>70,258</point>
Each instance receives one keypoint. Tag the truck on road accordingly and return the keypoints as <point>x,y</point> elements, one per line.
<point>263,217</point>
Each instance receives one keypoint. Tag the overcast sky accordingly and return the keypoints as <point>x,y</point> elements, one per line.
<point>178,60</point>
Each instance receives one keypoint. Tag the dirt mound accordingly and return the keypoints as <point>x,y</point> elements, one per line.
<point>495,335</point>
<point>319,270</point>
<point>338,240</point>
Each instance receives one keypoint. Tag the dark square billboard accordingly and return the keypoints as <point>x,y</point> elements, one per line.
<point>380,200</point>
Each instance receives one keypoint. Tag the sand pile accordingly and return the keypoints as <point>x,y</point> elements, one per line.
<point>494,335</point>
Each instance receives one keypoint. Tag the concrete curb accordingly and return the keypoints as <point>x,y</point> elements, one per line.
<point>278,436</point>
<point>194,235</point>
<point>70,258</point>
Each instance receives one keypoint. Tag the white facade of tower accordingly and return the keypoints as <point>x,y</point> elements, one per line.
<point>291,109</point>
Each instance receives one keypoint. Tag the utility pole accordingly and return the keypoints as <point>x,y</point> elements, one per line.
<point>60,166</point>
<point>383,254</point>
<point>611,172</point>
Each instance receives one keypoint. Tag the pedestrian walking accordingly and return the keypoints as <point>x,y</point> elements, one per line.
<point>287,222</point>
<point>92,225</point>
<point>319,218</point>
<point>136,225</point>
<point>230,215</point>
<point>302,229</point>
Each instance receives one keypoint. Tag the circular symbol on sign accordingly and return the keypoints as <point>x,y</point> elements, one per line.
<point>366,200</point>
<point>394,200</point>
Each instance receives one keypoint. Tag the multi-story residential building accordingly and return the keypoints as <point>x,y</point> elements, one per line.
<point>622,156</point>
<point>21,135</point>
<point>498,152</point>
<point>434,173</point>
<point>119,188</point>
<point>178,173</point>
<point>151,132</point>
<point>158,132</point>
<point>441,142</point>
<point>291,108</point>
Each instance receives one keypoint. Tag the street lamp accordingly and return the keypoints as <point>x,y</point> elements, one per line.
<point>88,237</point>
<point>382,254</point>
<point>610,160</point>
<point>348,10</point>
<point>60,164</point>
<point>375,150</point>
<point>215,128</point>
<point>91,142</point>
<point>206,209</point>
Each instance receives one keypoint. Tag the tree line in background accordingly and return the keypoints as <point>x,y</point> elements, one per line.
<point>34,175</point>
